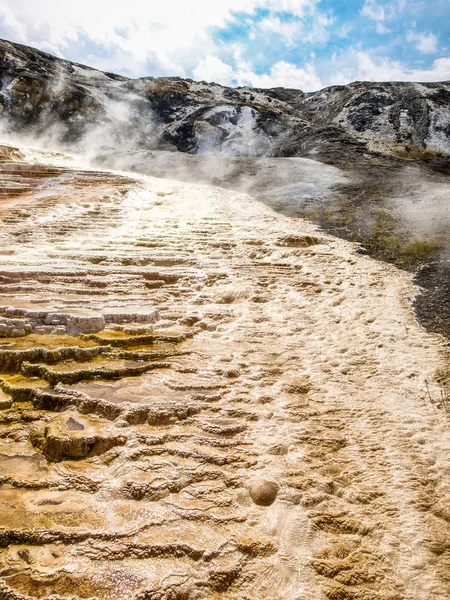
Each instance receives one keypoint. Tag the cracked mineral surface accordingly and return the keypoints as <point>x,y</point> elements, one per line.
<point>203,399</point>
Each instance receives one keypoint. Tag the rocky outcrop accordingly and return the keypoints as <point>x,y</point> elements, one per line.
<point>72,436</point>
<point>72,104</point>
<point>17,322</point>
<point>10,154</point>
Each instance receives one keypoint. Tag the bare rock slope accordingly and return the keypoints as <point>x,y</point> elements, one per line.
<point>201,398</point>
<point>42,94</point>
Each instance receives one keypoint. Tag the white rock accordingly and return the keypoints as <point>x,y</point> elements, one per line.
<point>78,324</point>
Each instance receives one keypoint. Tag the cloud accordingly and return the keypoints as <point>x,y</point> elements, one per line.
<point>10,26</point>
<point>314,27</point>
<point>284,74</point>
<point>381,13</point>
<point>139,38</point>
<point>374,11</point>
<point>281,74</point>
<point>213,69</point>
<point>259,43</point>
<point>427,43</point>
<point>288,31</point>
<point>382,29</point>
<point>369,68</point>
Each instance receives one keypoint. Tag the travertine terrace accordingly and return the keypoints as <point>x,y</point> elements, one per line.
<point>201,398</point>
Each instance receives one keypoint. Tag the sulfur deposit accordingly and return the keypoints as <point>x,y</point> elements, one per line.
<point>201,398</point>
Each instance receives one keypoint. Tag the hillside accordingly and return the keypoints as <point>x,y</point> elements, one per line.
<point>42,94</point>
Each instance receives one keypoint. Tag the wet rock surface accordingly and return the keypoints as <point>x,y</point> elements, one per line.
<point>256,425</point>
<point>264,493</point>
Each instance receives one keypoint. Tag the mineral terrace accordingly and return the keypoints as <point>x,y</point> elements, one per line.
<point>204,399</point>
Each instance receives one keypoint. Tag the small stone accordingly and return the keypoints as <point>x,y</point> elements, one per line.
<point>264,493</point>
<point>56,319</point>
<point>278,450</point>
<point>299,385</point>
<point>43,329</point>
<point>17,332</point>
<point>265,399</point>
<point>298,241</point>
<point>232,373</point>
<point>73,425</point>
<point>5,401</point>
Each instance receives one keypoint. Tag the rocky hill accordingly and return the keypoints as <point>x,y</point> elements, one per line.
<point>41,94</point>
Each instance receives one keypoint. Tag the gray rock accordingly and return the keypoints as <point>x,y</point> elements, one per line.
<point>5,401</point>
<point>17,332</point>
<point>43,329</point>
<point>82,324</point>
<point>56,319</point>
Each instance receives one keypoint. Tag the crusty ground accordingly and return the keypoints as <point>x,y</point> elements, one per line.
<point>306,368</point>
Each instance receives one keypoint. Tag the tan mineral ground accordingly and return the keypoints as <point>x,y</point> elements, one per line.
<point>203,399</point>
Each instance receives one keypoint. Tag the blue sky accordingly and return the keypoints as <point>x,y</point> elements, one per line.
<point>307,44</point>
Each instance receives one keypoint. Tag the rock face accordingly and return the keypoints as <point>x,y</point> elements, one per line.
<point>72,103</point>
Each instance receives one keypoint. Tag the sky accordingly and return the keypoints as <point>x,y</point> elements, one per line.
<point>304,44</point>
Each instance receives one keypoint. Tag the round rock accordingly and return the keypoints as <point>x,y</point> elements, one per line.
<point>264,493</point>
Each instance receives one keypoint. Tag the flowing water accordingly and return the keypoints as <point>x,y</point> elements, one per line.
<point>202,398</point>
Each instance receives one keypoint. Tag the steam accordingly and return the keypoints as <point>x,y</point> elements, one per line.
<point>232,149</point>
<point>118,129</point>
<point>235,133</point>
<point>111,121</point>
<point>422,201</point>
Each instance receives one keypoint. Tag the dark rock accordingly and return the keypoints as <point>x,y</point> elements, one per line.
<point>42,94</point>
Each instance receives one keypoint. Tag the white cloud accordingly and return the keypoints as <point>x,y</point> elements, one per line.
<point>382,29</point>
<point>135,37</point>
<point>374,11</point>
<point>427,43</point>
<point>343,31</point>
<point>284,74</point>
<point>288,31</point>
<point>381,13</point>
<point>313,29</point>
<point>140,38</point>
<point>281,74</point>
<point>212,69</point>
<point>368,68</point>
<point>10,26</point>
